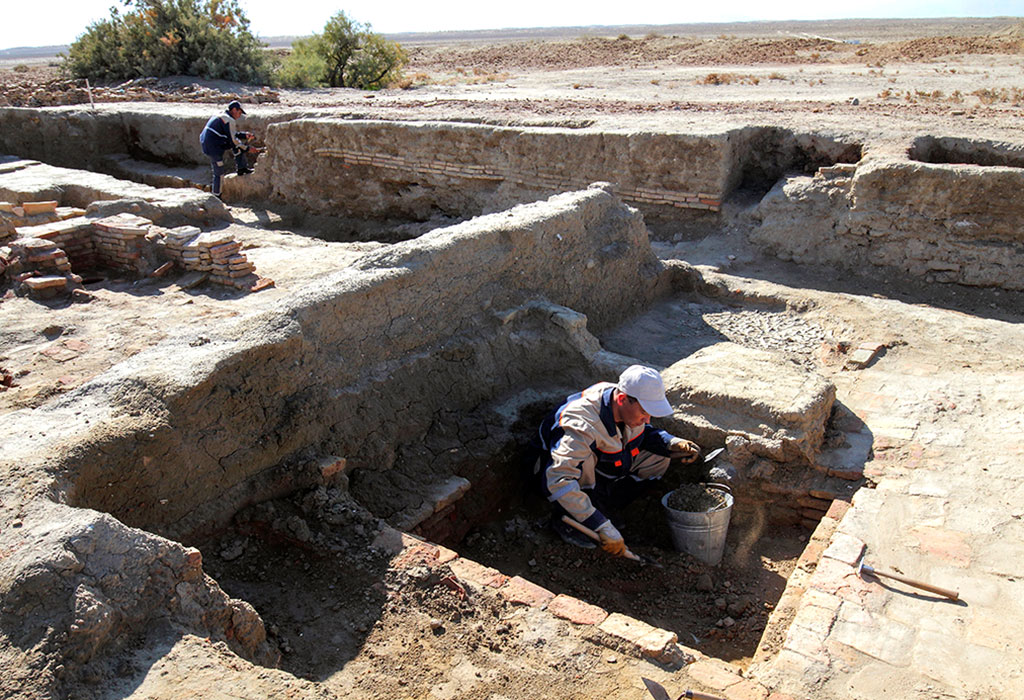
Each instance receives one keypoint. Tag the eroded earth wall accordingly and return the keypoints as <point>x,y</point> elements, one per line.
<point>358,364</point>
<point>413,170</point>
<point>80,137</point>
<point>940,222</point>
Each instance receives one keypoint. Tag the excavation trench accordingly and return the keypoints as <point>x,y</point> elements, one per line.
<point>317,540</point>
<point>395,389</point>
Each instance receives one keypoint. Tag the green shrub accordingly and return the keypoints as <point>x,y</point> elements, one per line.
<point>347,54</point>
<point>305,66</point>
<point>208,38</point>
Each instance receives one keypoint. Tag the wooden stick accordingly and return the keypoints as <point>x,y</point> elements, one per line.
<point>695,695</point>
<point>594,536</point>
<point>944,592</point>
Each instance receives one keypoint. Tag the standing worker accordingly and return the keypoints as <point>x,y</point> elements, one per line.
<point>220,135</point>
<point>598,452</point>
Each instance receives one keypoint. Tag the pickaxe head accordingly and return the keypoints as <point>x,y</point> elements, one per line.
<point>657,690</point>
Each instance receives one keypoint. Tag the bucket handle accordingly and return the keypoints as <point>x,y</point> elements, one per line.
<point>719,487</point>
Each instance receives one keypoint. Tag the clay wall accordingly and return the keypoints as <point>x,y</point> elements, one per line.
<point>940,222</point>
<point>414,170</point>
<point>359,366</point>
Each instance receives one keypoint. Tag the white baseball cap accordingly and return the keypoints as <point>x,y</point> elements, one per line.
<point>644,384</point>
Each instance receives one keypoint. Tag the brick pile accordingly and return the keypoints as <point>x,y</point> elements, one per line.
<point>40,265</point>
<point>216,253</point>
<point>49,239</point>
<point>19,216</point>
<point>73,236</point>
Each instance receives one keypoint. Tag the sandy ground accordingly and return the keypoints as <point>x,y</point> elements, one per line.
<point>382,638</point>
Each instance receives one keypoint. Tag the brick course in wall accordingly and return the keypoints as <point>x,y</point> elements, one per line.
<point>539,179</point>
<point>387,169</point>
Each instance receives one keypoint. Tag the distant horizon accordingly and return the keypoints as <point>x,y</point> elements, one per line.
<point>284,39</point>
<point>66,20</point>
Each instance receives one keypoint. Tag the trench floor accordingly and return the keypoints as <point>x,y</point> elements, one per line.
<point>720,610</point>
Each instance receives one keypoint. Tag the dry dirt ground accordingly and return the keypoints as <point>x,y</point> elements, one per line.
<point>339,616</point>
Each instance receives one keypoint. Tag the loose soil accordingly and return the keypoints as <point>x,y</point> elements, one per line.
<point>720,610</point>
<point>696,498</point>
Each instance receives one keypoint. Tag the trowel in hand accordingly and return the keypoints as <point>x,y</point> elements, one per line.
<point>710,456</point>
<point>658,691</point>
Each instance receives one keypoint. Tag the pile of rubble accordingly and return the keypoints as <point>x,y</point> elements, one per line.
<point>51,93</point>
<point>49,240</point>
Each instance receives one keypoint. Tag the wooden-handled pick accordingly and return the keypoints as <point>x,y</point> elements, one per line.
<point>944,592</point>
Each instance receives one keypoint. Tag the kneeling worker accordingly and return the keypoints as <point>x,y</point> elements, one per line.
<point>598,452</point>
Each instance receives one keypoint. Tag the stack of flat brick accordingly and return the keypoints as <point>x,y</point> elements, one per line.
<point>14,218</point>
<point>72,235</point>
<point>124,241</point>
<point>41,266</point>
<point>180,245</point>
<point>213,252</point>
<point>226,260</point>
<point>119,240</point>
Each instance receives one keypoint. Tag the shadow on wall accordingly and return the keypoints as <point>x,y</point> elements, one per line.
<point>761,156</point>
<point>931,149</point>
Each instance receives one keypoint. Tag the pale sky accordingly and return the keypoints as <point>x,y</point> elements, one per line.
<point>58,22</point>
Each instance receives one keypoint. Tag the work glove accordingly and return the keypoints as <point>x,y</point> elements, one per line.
<point>683,450</point>
<point>243,135</point>
<point>611,540</point>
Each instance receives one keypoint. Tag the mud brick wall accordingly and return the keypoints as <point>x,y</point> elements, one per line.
<point>359,365</point>
<point>416,170</point>
<point>943,223</point>
<point>68,136</point>
<point>76,241</point>
<point>950,223</point>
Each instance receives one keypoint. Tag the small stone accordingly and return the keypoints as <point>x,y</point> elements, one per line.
<point>704,583</point>
<point>737,608</point>
<point>436,624</point>
<point>232,552</point>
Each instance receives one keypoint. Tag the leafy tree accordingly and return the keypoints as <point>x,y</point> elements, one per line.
<point>305,66</point>
<point>347,54</point>
<point>208,38</point>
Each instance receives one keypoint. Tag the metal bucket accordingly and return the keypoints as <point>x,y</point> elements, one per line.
<point>701,535</point>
